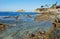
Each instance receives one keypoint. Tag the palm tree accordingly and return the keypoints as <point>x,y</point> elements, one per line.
<point>53,5</point>
<point>46,5</point>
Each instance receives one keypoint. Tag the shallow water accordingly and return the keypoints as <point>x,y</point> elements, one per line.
<point>23,24</point>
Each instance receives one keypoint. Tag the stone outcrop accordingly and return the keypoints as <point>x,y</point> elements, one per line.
<point>3,27</point>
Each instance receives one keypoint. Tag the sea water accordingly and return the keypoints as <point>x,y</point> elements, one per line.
<point>22,24</point>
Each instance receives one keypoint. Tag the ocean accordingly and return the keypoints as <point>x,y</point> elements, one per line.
<point>15,13</point>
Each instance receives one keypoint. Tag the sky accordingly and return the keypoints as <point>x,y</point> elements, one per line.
<point>27,5</point>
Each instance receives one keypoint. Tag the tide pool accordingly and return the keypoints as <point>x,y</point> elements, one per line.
<point>22,24</point>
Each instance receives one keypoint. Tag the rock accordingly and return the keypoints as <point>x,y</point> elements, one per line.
<point>3,27</point>
<point>21,10</point>
<point>41,17</point>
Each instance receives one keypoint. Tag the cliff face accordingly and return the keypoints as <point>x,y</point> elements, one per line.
<point>41,9</point>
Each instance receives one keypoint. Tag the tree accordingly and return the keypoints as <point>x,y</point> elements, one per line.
<point>53,5</point>
<point>42,6</point>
